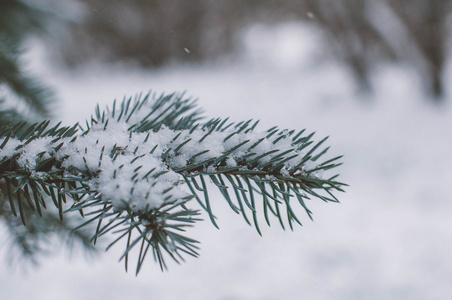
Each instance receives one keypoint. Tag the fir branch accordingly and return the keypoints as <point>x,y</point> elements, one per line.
<point>30,242</point>
<point>134,167</point>
<point>34,97</point>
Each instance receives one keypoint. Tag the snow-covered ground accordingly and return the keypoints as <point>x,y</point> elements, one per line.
<point>390,238</point>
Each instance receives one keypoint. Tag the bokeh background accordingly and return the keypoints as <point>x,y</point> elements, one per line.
<point>373,75</point>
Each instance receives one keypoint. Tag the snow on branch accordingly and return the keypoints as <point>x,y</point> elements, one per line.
<point>135,165</point>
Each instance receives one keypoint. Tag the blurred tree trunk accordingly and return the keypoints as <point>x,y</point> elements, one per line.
<point>352,36</point>
<point>426,22</point>
<point>356,40</point>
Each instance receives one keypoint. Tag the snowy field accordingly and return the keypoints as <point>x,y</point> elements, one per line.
<point>391,236</point>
